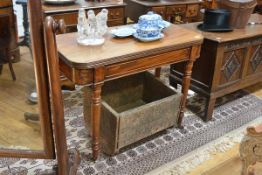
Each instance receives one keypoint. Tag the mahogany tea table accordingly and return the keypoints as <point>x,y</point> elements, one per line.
<point>92,66</point>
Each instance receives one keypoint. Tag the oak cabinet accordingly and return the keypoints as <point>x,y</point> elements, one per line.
<point>228,62</point>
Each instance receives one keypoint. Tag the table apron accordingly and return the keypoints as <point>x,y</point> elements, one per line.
<point>138,65</point>
<point>113,71</point>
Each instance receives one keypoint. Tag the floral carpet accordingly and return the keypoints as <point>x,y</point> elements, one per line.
<point>231,112</point>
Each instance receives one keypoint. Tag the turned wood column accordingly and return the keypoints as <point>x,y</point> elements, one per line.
<point>195,52</point>
<point>96,110</point>
<point>158,72</point>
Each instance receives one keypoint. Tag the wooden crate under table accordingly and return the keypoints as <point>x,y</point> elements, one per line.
<point>133,108</point>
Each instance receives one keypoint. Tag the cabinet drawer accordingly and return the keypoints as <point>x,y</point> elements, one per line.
<point>170,10</point>
<point>73,28</point>
<point>115,23</point>
<point>160,10</point>
<point>115,13</point>
<point>69,18</point>
<point>192,10</point>
<point>6,3</point>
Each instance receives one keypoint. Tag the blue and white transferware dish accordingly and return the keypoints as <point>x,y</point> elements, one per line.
<point>165,24</point>
<point>161,35</point>
<point>149,25</point>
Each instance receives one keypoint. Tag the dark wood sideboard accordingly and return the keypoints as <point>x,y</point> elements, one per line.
<point>69,13</point>
<point>259,7</point>
<point>228,62</point>
<point>6,7</point>
<point>179,11</point>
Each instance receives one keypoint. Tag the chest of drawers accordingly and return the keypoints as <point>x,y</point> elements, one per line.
<point>173,11</point>
<point>69,13</point>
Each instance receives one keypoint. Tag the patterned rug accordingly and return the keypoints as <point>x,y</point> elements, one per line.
<point>231,112</point>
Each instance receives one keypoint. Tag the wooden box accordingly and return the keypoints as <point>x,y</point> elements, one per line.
<point>133,108</point>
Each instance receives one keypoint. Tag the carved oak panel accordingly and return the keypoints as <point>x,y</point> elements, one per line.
<point>255,60</point>
<point>231,66</point>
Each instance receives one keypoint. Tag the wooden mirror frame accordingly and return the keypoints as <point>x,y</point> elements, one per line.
<point>46,66</point>
<point>41,76</point>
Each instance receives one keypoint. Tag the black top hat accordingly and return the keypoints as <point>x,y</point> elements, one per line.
<point>216,20</point>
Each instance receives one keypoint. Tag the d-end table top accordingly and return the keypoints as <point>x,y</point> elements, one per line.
<point>152,3</point>
<point>49,9</point>
<point>220,37</point>
<point>115,50</point>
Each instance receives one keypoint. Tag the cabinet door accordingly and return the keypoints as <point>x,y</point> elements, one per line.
<point>25,111</point>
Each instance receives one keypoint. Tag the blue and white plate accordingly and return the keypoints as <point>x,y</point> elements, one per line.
<point>161,35</point>
<point>123,32</point>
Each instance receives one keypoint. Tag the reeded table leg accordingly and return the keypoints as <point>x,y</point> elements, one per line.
<point>95,121</point>
<point>185,88</point>
<point>195,52</point>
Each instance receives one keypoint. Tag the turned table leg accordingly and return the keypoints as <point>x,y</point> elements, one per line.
<point>185,88</point>
<point>158,72</point>
<point>96,110</point>
<point>195,52</point>
<point>95,120</point>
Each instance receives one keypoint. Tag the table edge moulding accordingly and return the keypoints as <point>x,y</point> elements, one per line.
<point>121,57</point>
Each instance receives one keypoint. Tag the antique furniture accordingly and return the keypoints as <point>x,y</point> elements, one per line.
<point>127,119</point>
<point>228,62</point>
<point>5,40</point>
<point>6,7</point>
<point>26,39</point>
<point>210,4</point>
<point>69,13</point>
<point>173,11</point>
<point>121,57</point>
<point>258,8</point>
<point>251,148</point>
<point>51,128</point>
<point>240,11</point>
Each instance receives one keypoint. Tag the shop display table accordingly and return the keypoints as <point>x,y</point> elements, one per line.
<point>69,13</point>
<point>228,62</point>
<point>87,65</point>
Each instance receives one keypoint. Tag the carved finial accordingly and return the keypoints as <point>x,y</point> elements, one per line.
<point>59,26</point>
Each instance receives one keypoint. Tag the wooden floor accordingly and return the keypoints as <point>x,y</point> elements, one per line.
<point>15,131</point>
